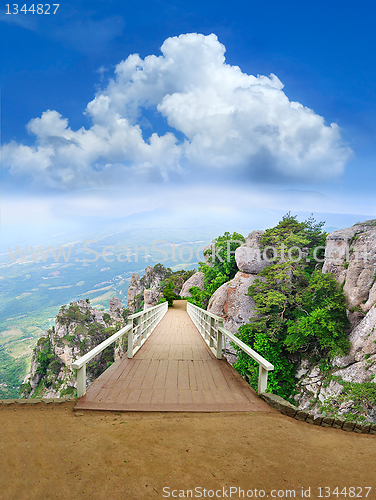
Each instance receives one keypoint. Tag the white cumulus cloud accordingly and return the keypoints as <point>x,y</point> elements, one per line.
<point>232,124</point>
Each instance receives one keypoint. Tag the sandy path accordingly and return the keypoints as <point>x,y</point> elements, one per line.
<point>49,452</point>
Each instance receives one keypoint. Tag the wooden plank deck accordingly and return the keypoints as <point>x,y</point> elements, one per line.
<point>173,371</point>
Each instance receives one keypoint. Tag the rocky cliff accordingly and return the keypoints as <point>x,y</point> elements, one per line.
<point>78,329</point>
<point>146,291</point>
<point>230,301</point>
<point>350,254</point>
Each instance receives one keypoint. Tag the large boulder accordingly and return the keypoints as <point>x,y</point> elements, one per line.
<point>151,298</point>
<point>135,289</point>
<point>196,279</point>
<point>230,301</point>
<point>249,255</point>
<point>363,341</point>
<point>116,309</point>
<point>358,366</point>
<point>350,254</point>
<point>151,280</point>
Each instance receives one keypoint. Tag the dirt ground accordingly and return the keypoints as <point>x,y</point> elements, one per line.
<point>52,452</point>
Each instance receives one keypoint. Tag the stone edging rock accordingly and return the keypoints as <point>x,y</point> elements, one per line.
<point>56,401</point>
<point>337,423</point>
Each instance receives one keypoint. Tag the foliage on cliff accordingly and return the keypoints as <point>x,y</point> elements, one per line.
<point>173,282</point>
<point>164,280</point>
<point>77,331</point>
<point>220,267</point>
<point>302,312</point>
<point>359,399</point>
<point>174,279</point>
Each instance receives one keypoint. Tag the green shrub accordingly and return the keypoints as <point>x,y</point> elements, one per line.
<point>125,314</point>
<point>281,380</point>
<point>169,294</point>
<point>360,398</point>
<point>68,391</point>
<point>44,356</point>
<point>221,267</point>
<point>320,323</point>
<point>301,311</point>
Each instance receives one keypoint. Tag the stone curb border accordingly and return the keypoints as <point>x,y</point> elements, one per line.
<point>36,401</point>
<point>290,410</point>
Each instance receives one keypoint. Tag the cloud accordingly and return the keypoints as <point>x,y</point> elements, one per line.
<point>234,126</point>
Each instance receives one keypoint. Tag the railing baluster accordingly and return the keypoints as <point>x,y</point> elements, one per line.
<point>219,338</point>
<point>130,337</point>
<point>81,381</point>
<point>139,330</point>
<point>211,328</point>
<point>139,325</point>
<point>211,331</point>
<point>262,379</point>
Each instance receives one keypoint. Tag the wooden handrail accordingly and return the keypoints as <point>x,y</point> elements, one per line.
<point>211,328</point>
<point>140,326</point>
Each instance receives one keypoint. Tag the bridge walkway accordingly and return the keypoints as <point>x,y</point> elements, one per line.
<point>173,371</point>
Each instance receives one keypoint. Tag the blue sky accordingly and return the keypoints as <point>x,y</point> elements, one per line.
<point>252,103</point>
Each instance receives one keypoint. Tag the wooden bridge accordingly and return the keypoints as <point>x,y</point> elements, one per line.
<point>174,370</point>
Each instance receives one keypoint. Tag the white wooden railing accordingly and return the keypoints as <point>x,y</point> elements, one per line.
<point>142,324</point>
<point>139,327</point>
<point>211,328</point>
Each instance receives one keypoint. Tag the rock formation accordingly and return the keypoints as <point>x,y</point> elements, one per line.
<point>149,283</point>
<point>230,301</point>
<point>116,309</point>
<point>196,279</point>
<point>350,254</point>
<point>151,298</point>
<point>248,256</point>
<point>78,329</point>
<point>135,293</point>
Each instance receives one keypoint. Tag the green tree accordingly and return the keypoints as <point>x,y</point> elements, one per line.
<point>220,269</point>
<point>301,312</point>
<point>320,327</point>
<point>169,294</point>
<point>45,355</point>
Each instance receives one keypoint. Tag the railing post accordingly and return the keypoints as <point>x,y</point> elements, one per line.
<point>262,380</point>
<point>130,338</point>
<point>211,332</point>
<point>81,381</point>
<point>219,339</point>
<point>211,326</point>
<point>139,329</point>
<point>147,321</point>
